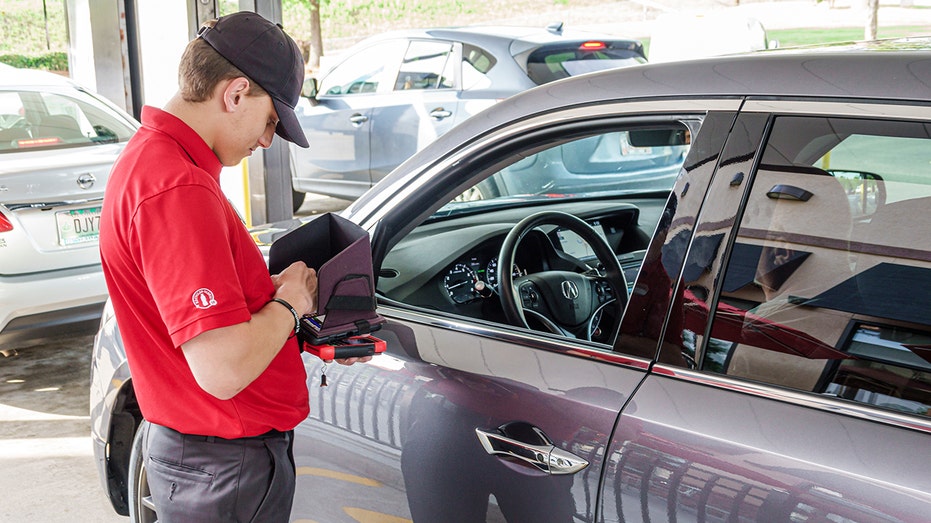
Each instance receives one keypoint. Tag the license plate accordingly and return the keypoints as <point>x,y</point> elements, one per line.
<point>78,225</point>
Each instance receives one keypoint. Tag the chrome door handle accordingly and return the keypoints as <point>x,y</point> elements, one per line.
<point>358,119</point>
<point>439,113</point>
<point>541,453</point>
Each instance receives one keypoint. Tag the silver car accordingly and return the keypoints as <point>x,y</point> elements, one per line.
<point>749,341</point>
<point>394,93</point>
<point>57,144</point>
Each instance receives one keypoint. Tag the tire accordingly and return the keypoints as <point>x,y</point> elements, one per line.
<point>141,509</point>
<point>482,191</point>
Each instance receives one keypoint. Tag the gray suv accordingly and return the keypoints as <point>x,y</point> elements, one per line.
<point>749,340</point>
<point>392,94</point>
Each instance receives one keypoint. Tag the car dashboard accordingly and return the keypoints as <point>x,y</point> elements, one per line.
<point>451,265</point>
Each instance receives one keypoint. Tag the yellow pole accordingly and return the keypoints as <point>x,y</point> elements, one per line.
<point>247,200</point>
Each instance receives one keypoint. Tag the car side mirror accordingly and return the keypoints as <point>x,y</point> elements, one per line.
<point>309,89</point>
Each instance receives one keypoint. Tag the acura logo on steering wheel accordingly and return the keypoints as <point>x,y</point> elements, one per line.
<point>569,290</point>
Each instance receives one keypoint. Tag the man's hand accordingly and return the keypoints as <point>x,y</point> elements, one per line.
<point>350,361</point>
<point>297,285</point>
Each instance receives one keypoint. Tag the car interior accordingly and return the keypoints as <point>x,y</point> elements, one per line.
<point>815,289</point>
<point>451,263</point>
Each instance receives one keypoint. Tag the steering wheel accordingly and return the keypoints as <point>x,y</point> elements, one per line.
<point>565,302</point>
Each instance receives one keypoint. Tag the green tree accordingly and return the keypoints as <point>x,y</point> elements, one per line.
<point>314,46</point>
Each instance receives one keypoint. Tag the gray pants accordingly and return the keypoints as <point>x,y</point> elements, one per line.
<point>209,479</point>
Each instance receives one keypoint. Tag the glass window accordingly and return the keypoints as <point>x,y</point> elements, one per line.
<point>427,65</point>
<point>450,262</point>
<point>476,63</point>
<point>554,62</point>
<point>825,289</point>
<point>617,162</point>
<point>370,70</point>
<point>52,120</point>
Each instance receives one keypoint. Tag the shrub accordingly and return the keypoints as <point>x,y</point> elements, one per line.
<point>53,61</point>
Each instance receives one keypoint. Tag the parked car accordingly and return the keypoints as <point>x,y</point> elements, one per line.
<point>747,342</point>
<point>57,143</point>
<point>392,94</point>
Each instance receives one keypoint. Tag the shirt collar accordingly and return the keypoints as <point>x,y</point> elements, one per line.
<point>173,127</point>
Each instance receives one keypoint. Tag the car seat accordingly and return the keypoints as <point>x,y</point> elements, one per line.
<point>60,125</point>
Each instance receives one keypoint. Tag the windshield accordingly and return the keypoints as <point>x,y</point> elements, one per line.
<point>555,62</point>
<point>53,120</point>
<point>613,163</point>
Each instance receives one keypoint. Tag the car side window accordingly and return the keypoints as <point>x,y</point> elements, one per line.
<point>426,65</point>
<point>369,71</point>
<point>450,262</point>
<point>826,287</point>
<point>476,63</point>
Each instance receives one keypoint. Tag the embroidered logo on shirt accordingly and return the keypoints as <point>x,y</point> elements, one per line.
<point>203,299</point>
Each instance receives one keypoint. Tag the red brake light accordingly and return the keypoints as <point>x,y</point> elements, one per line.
<point>593,46</point>
<point>38,142</point>
<point>5,224</point>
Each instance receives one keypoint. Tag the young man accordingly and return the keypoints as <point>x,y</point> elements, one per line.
<point>209,334</point>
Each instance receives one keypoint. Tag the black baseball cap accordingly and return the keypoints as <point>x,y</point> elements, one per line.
<point>269,57</point>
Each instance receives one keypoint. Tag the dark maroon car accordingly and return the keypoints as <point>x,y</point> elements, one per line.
<point>749,340</point>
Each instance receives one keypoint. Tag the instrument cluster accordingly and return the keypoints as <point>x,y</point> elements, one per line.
<point>473,279</point>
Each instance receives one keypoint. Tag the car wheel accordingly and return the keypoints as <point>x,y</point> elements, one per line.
<point>482,191</point>
<point>141,507</point>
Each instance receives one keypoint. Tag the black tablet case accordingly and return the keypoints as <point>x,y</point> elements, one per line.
<point>341,253</point>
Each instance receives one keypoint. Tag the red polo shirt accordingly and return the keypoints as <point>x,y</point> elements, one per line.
<point>178,261</point>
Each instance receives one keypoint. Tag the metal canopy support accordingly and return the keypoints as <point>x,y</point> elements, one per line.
<point>269,169</point>
<point>128,51</point>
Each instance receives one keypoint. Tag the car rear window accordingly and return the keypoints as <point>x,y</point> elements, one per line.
<point>554,62</point>
<point>46,120</point>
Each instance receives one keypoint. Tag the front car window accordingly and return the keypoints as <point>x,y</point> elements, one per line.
<point>370,70</point>
<point>825,289</point>
<point>621,162</point>
<point>449,263</point>
<point>51,120</point>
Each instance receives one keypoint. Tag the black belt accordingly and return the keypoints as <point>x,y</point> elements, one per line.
<point>272,434</point>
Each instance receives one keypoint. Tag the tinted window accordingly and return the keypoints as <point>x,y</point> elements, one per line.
<point>554,62</point>
<point>36,120</point>
<point>826,287</point>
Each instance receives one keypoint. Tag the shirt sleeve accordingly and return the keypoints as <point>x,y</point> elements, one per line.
<point>183,244</point>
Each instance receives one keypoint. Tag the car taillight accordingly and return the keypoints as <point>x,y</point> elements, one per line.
<point>593,46</point>
<point>5,224</point>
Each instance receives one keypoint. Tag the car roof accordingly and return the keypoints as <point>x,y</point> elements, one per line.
<point>15,77</point>
<point>888,70</point>
<point>497,34</point>
<point>891,70</point>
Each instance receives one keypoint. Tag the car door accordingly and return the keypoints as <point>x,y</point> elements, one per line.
<point>465,419</point>
<point>339,125</point>
<point>423,105</point>
<point>792,374</point>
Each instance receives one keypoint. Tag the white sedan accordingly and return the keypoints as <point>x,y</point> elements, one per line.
<point>57,144</point>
